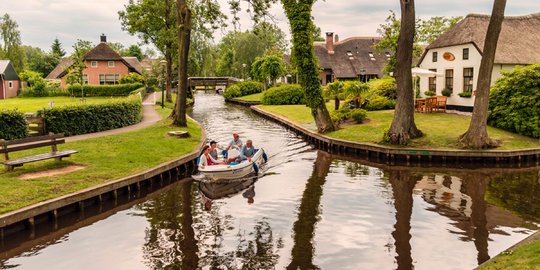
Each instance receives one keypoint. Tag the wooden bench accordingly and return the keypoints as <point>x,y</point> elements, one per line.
<point>53,140</point>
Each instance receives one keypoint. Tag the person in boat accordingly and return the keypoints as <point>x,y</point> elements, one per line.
<point>213,150</point>
<point>248,151</point>
<point>206,159</point>
<point>235,142</point>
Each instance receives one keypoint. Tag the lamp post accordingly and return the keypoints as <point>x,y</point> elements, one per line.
<point>163,63</point>
<point>363,75</point>
<point>244,66</point>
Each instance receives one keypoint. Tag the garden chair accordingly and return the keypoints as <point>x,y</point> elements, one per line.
<point>441,103</point>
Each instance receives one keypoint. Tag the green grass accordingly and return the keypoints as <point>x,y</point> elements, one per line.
<point>32,105</point>
<point>254,97</point>
<point>105,159</point>
<point>170,105</point>
<point>441,130</point>
<point>525,256</point>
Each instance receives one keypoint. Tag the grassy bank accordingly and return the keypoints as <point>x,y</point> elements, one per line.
<point>523,256</point>
<point>104,159</point>
<point>254,97</point>
<point>441,129</point>
<point>32,105</point>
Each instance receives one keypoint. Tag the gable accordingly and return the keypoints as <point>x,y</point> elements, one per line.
<point>8,71</point>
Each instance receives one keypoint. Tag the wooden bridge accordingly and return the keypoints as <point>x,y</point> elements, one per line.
<point>210,83</point>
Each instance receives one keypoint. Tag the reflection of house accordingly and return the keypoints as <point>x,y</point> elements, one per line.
<point>352,58</point>
<point>103,66</point>
<point>457,53</point>
<point>9,80</point>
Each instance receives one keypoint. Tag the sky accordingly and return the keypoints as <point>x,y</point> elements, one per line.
<point>40,21</point>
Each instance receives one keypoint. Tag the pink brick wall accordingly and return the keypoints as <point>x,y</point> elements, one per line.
<point>10,92</point>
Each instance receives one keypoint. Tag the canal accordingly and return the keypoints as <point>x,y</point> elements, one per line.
<point>311,210</point>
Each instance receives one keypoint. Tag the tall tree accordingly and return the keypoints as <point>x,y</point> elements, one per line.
<point>184,37</point>
<point>134,51</point>
<point>11,42</point>
<point>403,127</point>
<point>40,61</point>
<point>429,30</point>
<point>476,136</point>
<point>299,14</point>
<point>56,48</point>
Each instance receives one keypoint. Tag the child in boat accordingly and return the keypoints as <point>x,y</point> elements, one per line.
<point>206,159</point>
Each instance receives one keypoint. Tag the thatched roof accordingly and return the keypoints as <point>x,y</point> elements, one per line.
<point>64,64</point>
<point>134,64</point>
<point>102,52</point>
<point>351,56</point>
<point>518,41</point>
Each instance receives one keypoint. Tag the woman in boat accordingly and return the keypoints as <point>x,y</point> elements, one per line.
<point>206,159</point>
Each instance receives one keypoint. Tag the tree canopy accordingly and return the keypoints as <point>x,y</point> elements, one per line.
<point>11,46</point>
<point>56,48</point>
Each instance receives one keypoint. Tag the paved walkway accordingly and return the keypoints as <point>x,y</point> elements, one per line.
<point>150,117</point>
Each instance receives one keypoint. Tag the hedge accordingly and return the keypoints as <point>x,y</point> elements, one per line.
<point>243,89</point>
<point>82,119</point>
<point>104,90</point>
<point>378,103</point>
<point>514,102</point>
<point>12,125</point>
<point>285,94</point>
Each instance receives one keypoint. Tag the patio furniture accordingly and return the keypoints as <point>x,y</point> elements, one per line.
<point>441,103</point>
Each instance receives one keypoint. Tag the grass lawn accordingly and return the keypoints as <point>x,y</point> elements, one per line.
<point>442,130</point>
<point>254,97</point>
<point>522,257</point>
<point>34,104</point>
<point>105,159</point>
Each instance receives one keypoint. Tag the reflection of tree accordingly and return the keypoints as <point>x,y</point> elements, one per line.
<point>170,239</point>
<point>261,252</point>
<point>402,185</point>
<point>517,192</point>
<point>304,227</point>
<point>476,188</point>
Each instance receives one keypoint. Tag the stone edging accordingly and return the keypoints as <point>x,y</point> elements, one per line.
<point>243,102</point>
<point>51,206</point>
<point>525,157</point>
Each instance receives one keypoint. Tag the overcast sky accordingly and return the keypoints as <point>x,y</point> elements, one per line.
<point>40,21</point>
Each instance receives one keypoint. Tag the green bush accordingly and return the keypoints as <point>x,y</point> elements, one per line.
<point>82,119</point>
<point>514,102</point>
<point>12,125</point>
<point>286,94</point>
<point>132,77</point>
<point>250,87</point>
<point>104,90</point>
<point>446,92</point>
<point>378,103</point>
<point>465,94</point>
<point>232,91</point>
<point>139,92</point>
<point>344,113</point>
<point>358,115</point>
<point>385,87</point>
<point>430,93</point>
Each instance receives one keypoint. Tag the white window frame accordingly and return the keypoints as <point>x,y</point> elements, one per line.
<point>111,64</point>
<point>94,64</point>
<point>10,85</point>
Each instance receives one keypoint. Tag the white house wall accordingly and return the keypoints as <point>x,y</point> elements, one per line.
<point>458,64</point>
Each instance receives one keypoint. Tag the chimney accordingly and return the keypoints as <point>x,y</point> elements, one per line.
<point>103,38</point>
<point>336,40</point>
<point>330,42</point>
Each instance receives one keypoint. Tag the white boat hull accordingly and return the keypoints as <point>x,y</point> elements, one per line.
<point>228,172</point>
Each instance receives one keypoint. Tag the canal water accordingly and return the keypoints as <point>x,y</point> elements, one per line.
<point>311,210</point>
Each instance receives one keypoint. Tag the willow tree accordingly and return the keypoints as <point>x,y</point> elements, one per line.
<point>476,136</point>
<point>403,127</point>
<point>302,28</point>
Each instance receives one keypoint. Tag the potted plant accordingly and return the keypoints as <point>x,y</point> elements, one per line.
<point>446,92</point>
<point>465,94</point>
<point>430,93</point>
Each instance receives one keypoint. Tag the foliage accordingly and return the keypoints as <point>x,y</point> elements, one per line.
<point>429,30</point>
<point>430,93</point>
<point>385,87</point>
<point>82,119</point>
<point>12,125</point>
<point>132,77</point>
<point>268,67</point>
<point>10,45</point>
<point>285,94</point>
<point>56,48</point>
<point>134,51</point>
<point>446,92</point>
<point>40,61</point>
<point>36,85</point>
<point>83,46</point>
<point>515,101</point>
<point>344,113</point>
<point>465,94</point>
<point>358,115</point>
<point>378,103</point>
<point>243,89</point>
<point>232,91</point>
<point>75,72</point>
<point>104,90</point>
<point>355,89</point>
<point>334,89</point>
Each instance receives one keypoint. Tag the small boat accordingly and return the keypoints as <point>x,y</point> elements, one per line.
<point>230,171</point>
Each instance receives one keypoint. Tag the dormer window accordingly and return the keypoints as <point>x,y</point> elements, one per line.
<point>94,64</point>
<point>111,64</point>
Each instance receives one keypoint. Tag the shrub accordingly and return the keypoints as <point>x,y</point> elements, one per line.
<point>104,90</point>
<point>514,101</point>
<point>358,115</point>
<point>232,91</point>
<point>286,94</point>
<point>82,119</point>
<point>465,94</point>
<point>380,103</point>
<point>344,113</point>
<point>446,92</point>
<point>430,93</point>
<point>132,77</point>
<point>385,87</point>
<point>250,87</point>
<point>12,125</point>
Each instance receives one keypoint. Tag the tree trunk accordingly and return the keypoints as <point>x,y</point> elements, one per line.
<point>336,103</point>
<point>403,127</point>
<point>184,36</point>
<point>168,56</point>
<point>476,136</point>
<point>300,19</point>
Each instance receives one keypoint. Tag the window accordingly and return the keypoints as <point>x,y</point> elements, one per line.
<point>10,85</point>
<point>449,80</point>
<point>468,75</point>
<point>434,56</point>
<point>432,82</point>
<point>111,64</point>
<point>466,54</point>
<point>94,64</point>
<point>85,79</point>
<point>105,79</point>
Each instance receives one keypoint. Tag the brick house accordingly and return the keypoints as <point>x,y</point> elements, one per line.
<point>103,66</point>
<point>9,80</point>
